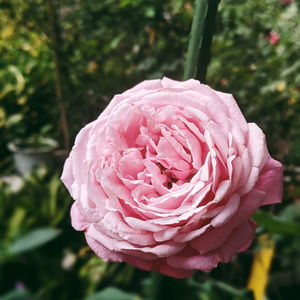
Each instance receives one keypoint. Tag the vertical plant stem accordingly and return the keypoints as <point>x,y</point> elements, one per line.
<point>156,286</point>
<point>165,287</point>
<point>55,37</point>
<point>209,29</point>
<point>196,38</point>
<point>203,26</point>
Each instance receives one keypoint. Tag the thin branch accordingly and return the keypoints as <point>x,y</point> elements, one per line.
<point>55,37</point>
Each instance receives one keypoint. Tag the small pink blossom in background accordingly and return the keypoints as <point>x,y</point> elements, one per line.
<point>168,178</point>
<point>286,2</point>
<point>273,37</point>
<point>20,286</point>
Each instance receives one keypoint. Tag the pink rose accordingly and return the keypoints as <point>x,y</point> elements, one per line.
<point>168,177</point>
<point>273,37</point>
<point>286,2</point>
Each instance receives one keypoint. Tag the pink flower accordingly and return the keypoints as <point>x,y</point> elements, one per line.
<point>286,2</point>
<point>168,177</point>
<point>273,37</point>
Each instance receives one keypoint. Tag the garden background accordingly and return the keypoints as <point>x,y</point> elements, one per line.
<point>62,61</point>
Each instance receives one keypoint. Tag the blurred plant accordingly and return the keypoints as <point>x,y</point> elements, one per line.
<point>23,231</point>
<point>26,96</point>
<point>265,78</point>
<point>210,290</point>
<point>31,211</point>
<point>111,293</point>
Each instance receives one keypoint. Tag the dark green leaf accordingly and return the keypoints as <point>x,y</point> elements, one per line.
<point>112,293</point>
<point>275,224</point>
<point>32,240</point>
<point>17,295</point>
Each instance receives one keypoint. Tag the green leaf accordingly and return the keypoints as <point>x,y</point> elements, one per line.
<point>292,211</point>
<point>54,185</point>
<point>20,84</point>
<point>32,240</point>
<point>150,12</point>
<point>112,293</point>
<point>17,295</point>
<point>207,290</point>
<point>16,221</point>
<point>237,293</point>
<point>275,224</point>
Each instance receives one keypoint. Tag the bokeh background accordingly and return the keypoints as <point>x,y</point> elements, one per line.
<point>60,64</point>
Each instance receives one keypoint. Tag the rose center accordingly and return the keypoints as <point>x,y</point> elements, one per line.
<point>171,177</point>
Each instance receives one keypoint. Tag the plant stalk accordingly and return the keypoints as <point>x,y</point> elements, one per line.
<point>203,26</point>
<point>156,286</point>
<point>165,287</point>
<point>209,30</point>
<point>55,39</point>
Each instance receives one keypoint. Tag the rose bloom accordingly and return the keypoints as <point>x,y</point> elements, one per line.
<point>273,37</point>
<point>168,177</point>
<point>286,2</point>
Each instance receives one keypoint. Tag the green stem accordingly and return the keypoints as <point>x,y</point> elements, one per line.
<point>209,29</point>
<point>203,25</point>
<point>165,287</point>
<point>156,286</point>
<point>56,45</point>
<point>196,38</point>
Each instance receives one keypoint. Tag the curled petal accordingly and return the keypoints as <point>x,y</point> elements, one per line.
<point>78,221</point>
<point>270,181</point>
<point>227,212</point>
<point>240,237</point>
<point>199,262</point>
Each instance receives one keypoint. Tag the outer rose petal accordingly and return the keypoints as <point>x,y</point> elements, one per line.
<point>159,266</point>
<point>216,237</point>
<point>240,237</point>
<point>104,253</point>
<point>234,111</point>
<point>78,221</point>
<point>200,262</point>
<point>257,146</point>
<point>78,153</point>
<point>270,181</point>
<point>168,178</point>
<point>190,84</point>
<point>67,175</point>
<point>153,84</point>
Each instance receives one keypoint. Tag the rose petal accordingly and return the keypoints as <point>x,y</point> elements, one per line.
<point>270,181</point>
<point>257,146</point>
<point>104,253</point>
<point>241,236</point>
<point>200,262</point>
<point>234,111</point>
<point>77,220</point>
<point>228,211</point>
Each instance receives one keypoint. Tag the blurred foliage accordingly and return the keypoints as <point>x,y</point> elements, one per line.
<point>264,77</point>
<point>104,48</point>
